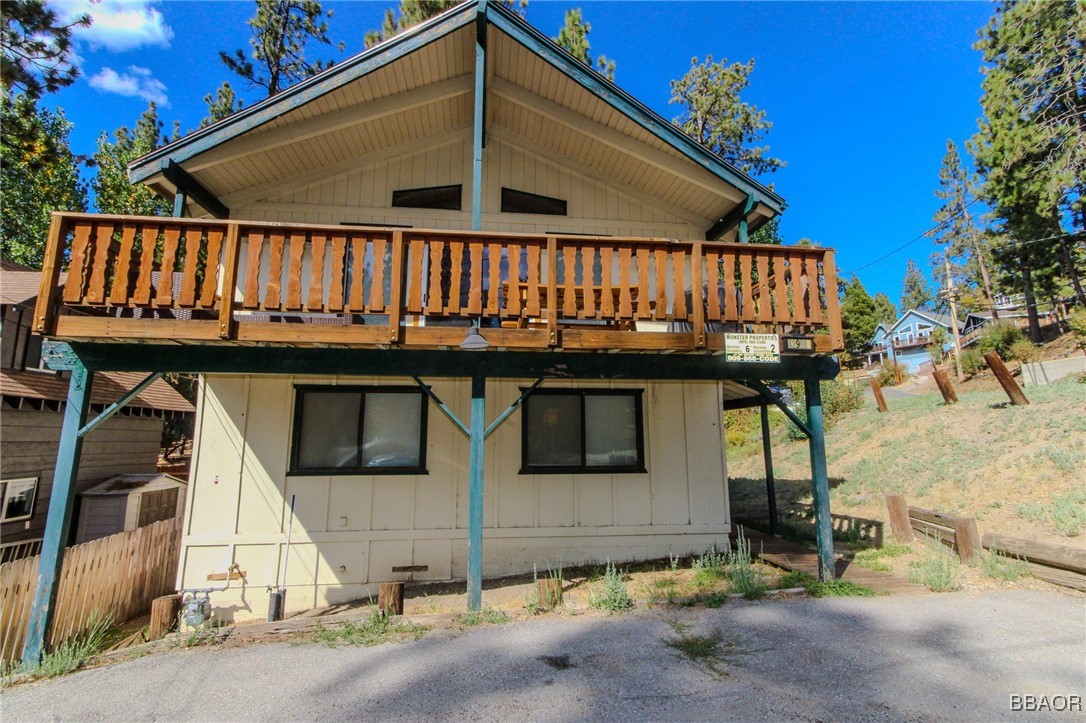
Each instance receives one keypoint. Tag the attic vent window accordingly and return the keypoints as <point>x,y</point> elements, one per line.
<point>443,197</point>
<point>524,202</point>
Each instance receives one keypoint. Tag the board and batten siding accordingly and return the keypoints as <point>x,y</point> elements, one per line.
<point>350,531</point>
<point>121,445</point>
<point>364,195</point>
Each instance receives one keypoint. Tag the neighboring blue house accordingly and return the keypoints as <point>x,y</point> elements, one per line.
<point>907,340</point>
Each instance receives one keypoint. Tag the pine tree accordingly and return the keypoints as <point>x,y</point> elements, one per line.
<point>222,104</point>
<point>37,50</point>
<point>768,233</point>
<point>714,115</point>
<point>1031,146</point>
<point>38,174</point>
<point>916,292</point>
<point>859,315</point>
<point>573,36</point>
<point>281,30</point>
<point>113,193</point>
<point>885,311</point>
<point>965,243</point>
<point>412,12</point>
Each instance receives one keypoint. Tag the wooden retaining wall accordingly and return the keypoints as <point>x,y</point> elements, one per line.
<point>114,576</point>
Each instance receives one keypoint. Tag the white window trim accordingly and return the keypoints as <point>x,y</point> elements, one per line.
<point>7,494</point>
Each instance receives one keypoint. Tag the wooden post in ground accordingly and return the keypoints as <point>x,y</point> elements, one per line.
<point>390,598</point>
<point>164,611</point>
<point>942,379</point>
<point>967,539</point>
<point>820,481</point>
<point>876,389</point>
<point>995,363</point>
<point>898,512</point>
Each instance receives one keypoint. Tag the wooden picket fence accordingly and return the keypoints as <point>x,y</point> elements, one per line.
<point>116,576</point>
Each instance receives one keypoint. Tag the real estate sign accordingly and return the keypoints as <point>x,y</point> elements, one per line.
<point>752,348</point>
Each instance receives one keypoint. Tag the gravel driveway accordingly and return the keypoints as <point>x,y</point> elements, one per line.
<point>921,657</point>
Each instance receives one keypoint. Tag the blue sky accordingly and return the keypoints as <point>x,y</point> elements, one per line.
<point>863,96</point>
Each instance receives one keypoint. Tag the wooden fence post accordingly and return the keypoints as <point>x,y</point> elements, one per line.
<point>995,363</point>
<point>898,512</point>
<point>967,539</point>
<point>876,389</point>
<point>164,611</point>
<point>945,387</point>
<point>549,591</point>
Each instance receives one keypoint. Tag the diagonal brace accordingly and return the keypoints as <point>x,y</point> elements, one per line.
<point>775,399</point>
<point>463,427</point>
<point>117,405</point>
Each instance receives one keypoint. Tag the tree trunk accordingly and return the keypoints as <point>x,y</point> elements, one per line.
<point>1072,272</point>
<point>1031,300</point>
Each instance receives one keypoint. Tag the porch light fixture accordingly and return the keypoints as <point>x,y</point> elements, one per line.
<point>474,340</point>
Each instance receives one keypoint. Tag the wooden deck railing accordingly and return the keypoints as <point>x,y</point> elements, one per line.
<point>238,280</point>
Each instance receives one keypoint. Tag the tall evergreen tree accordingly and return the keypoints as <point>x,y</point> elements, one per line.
<point>573,36</point>
<point>112,191</point>
<point>858,315</point>
<point>412,12</point>
<point>281,30</point>
<point>36,53</point>
<point>715,116</point>
<point>965,243</point>
<point>38,174</point>
<point>885,311</point>
<point>916,292</point>
<point>1031,146</point>
<point>222,104</point>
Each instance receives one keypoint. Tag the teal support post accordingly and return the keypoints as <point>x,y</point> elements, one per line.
<point>770,482</point>
<point>58,522</point>
<point>179,201</point>
<point>478,131</point>
<point>744,235</point>
<point>475,493</point>
<point>820,481</point>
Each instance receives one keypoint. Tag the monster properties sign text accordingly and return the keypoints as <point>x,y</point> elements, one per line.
<point>752,348</point>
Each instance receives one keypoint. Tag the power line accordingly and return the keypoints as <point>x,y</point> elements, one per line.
<point>904,246</point>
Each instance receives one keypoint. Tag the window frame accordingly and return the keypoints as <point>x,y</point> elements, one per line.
<point>7,493</point>
<point>584,468</point>
<point>514,201</point>
<point>414,198</point>
<point>293,470</point>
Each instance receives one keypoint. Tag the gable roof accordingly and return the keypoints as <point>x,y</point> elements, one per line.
<point>942,320</point>
<point>326,102</point>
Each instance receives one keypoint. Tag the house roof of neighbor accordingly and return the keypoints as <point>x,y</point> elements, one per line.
<point>106,389</point>
<point>127,483</point>
<point>18,286</point>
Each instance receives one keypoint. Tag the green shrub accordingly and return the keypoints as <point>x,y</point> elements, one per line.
<point>939,569</point>
<point>838,399</point>
<point>838,588</point>
<point>1022,350</point>
<point>1076,322</point>
<point>709,568</point>
<point>890,372</point>
<point>745,576</point>
<point>999,337</point>
<point>613,597</point>
<point>972,362</point>
<point>65,658</point>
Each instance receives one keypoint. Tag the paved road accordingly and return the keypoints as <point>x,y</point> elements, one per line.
<point>921,657</point>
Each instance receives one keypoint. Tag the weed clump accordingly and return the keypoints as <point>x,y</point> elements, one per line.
<point>374,629</point>
<point>479,617</point>
<point>613,597</point>
<point>66,658</point>
<point>745,577</point>
<point>939,570</point>
<point>838,588</point>
<point>999,566</point>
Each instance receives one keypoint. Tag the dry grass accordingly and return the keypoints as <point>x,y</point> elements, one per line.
<point>1014,468</point>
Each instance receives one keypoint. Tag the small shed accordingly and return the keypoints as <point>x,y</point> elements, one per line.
<point>128,501</point>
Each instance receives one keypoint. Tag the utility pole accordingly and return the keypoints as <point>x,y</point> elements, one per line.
<point>952,296</point>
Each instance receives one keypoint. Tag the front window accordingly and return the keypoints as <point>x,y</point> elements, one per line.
<point>359,430</point>
<point>18,499</point>
<point>583,431</point>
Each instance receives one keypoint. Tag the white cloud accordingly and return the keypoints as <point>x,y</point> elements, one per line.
<point>136,82</point>
<point>118,25</point>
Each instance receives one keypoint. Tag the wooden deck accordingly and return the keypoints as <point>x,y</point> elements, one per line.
<point>796,556</point>
<point>134,278</point>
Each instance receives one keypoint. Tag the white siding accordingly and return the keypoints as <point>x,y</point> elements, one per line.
<point>349,531</point>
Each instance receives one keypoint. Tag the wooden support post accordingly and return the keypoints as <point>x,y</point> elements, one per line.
<point>820,481</point>
<point>549,592</point>
<point>58,522</point>
<point>876,389</point>
<point>995,363</point>
<point>942,379</point>
<point>390,598</point>
<point>552,290</point>
<point>696,298</point>
<point>475,492</point>
<point>967,539</point>
<point>45,309</point>
<point>164,612</point>
<point>396,297</point>
<point>770,482</point>
<point>898,513</point>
